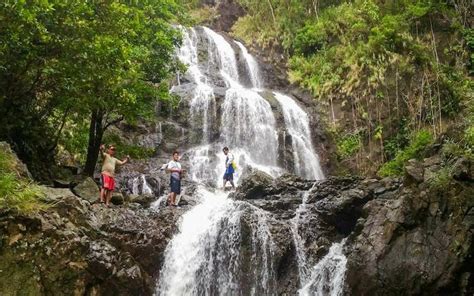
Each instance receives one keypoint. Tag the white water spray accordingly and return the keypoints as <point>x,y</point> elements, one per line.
<point>327,276</point>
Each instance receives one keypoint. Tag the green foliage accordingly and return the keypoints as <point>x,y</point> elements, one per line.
<point>61,61</point>
<point>348,145</point>
<point>394,67</point>
<point>135,151</point>
<point>352,48</point>
<point>16,193</point>
<point>442,179</point>
<point>274,23</point>
<point>469,39</point>
<point>418,144</point>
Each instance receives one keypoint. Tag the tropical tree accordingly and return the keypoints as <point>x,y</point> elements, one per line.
<point>100,61</point>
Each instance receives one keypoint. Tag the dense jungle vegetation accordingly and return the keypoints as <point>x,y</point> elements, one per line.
<point>71,69</point>
<point>395,76</point>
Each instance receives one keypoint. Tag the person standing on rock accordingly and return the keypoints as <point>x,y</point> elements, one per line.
<point>229,168</point>
<point>174,167</point>
<point>108,172</point>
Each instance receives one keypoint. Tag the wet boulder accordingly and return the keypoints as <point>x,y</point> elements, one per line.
<point>255,185</point>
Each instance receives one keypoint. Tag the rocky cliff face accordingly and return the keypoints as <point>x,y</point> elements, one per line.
<point>75,248</point>
<point>403,236</point>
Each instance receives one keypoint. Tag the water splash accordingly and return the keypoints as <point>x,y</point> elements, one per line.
<point>327,276</point>
<point>205,257</point>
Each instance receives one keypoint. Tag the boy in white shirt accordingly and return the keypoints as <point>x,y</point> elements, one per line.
<point>174,167</point>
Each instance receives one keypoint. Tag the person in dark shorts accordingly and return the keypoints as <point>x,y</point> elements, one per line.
<point>107,180</point>
<point>174,167</point>
<point>229,168</point>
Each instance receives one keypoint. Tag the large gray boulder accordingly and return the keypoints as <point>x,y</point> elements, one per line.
<point>87,190</point>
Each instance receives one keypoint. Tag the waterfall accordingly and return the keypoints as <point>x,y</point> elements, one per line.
<point>297,123</point>
<point>145,188</point>
<point>206,256</point>
<point>203,101</point>
<point>327,276</point>
<point>141,186</point>
<point>298,241</point>
<point>248,125</point>
<point>223,246</point>
<point>252,66</point>
<point>226,54</point>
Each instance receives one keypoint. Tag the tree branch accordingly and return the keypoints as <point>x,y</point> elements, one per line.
<point>112,122</point>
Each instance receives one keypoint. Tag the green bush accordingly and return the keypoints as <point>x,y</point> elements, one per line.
<point>16,193</point>
<point>135,152</point>
<point>418,143</point>
<point>348,144</point>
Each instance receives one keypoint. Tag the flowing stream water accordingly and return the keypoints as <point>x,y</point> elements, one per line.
<point>223,246</point>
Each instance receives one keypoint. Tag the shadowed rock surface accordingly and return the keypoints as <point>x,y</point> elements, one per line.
<point>78,248</point>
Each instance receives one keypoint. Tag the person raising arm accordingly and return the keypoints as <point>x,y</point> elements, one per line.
<point>107,177</point>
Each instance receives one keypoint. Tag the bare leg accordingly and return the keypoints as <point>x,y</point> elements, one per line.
<point>232,183</point>
<point>102,195</point>
<point>223,185</point>
<point>173,198</point>
<point>108,197</point>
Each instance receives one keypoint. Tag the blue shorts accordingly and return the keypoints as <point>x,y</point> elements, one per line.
<point>229,176</point>
<point>175,185</point>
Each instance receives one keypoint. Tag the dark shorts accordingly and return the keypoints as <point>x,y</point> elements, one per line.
<point>175,185</point>
<point>229,176</point>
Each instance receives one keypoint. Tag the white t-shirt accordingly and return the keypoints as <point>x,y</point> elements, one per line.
<point>174,165</point>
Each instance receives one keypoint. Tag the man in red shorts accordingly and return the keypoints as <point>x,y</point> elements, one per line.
<point>108,172</point>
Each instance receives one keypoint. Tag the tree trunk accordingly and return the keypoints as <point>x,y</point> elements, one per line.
<point>96,131</point>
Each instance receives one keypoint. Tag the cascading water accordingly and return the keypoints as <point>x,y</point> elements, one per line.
<point>140,186</point>
<point>303,270</point>
<point>252,65</point>
<point>248,124</point>
<point>205,257</point>
<point>225,247</point>
<point>297,123</point>
<point>327,276</point>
